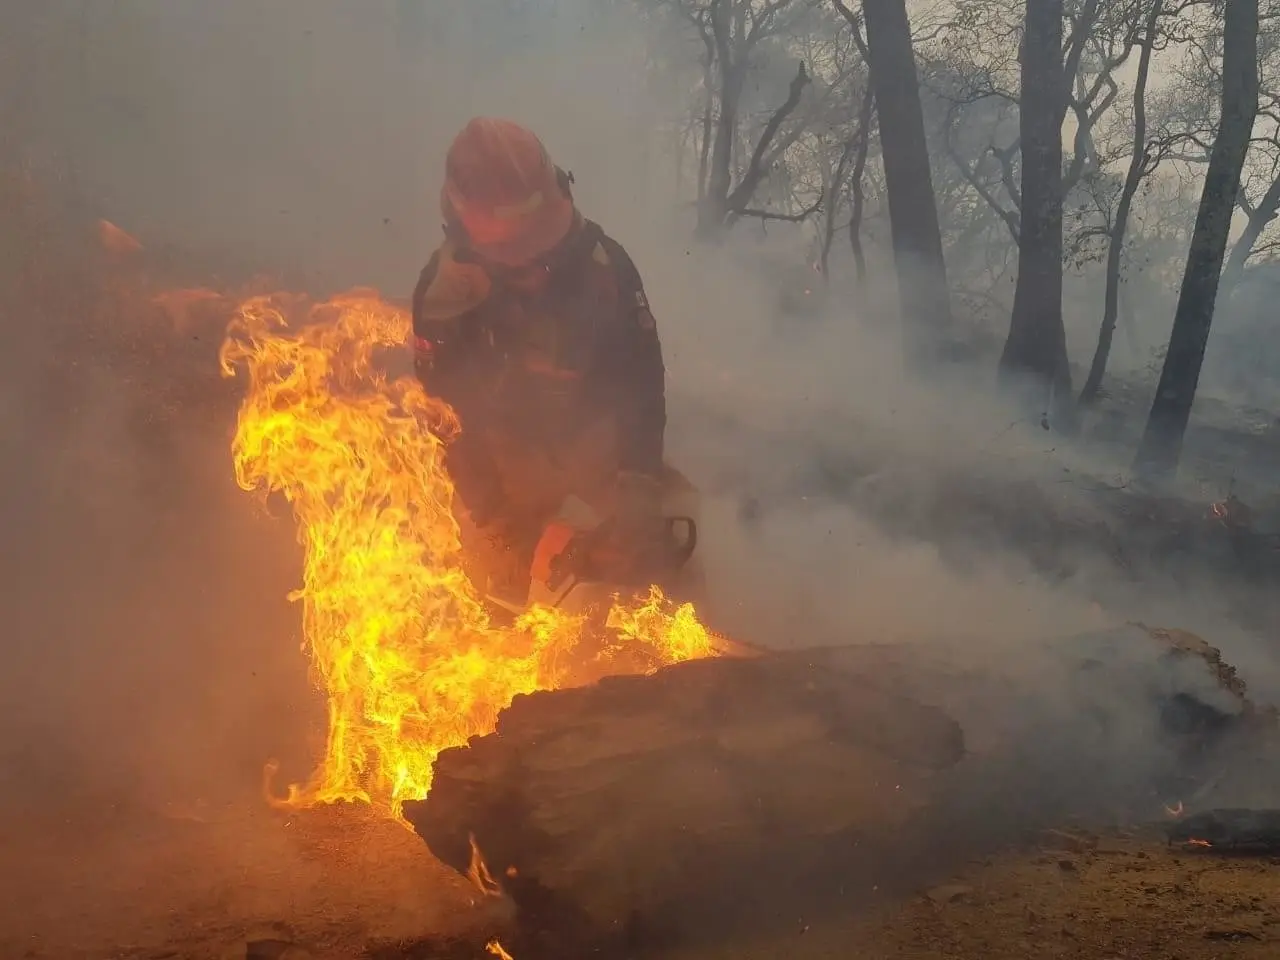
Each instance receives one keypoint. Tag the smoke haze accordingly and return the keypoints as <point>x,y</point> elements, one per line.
<point>151,656</point>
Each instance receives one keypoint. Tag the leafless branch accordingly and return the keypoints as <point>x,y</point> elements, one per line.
<point>784,217</point>
<point>1009,217</point>
<point>746,188</point>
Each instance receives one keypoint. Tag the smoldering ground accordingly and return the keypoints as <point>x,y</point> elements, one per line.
<point>152,660</point>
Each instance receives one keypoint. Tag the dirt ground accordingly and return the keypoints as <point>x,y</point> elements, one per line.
<point>337,884</point>
<point>1101,899</point>
<point>194,881</point>
<point>232,879</point>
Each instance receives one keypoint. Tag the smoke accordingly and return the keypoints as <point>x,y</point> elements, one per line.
<point>151,654</point>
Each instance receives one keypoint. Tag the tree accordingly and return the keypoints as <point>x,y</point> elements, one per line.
<point>913,213</point>
<point>850,174</point>
<point>1036,349</point>
<point>1161,446</point>
<point>734,33</point>
<point>1192,118</point>
<point>1141,163</point>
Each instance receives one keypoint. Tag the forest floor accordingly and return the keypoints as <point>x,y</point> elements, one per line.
<point>337,885</point>
<point>86,878</point>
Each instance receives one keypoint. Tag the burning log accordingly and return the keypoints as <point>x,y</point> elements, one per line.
<point>601,804</point>
<point>635,803</point>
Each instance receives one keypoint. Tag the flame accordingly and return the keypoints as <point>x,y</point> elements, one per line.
<point>682,636</point>
<point>495,948</point>
<point>478,871</point>
<point>116,241</point>
<point>398,638</point>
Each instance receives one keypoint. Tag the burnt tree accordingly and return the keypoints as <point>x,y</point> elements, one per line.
<point>913,212</point>
<point>1161,446</point>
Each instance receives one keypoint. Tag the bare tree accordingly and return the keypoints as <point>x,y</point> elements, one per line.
<point>1161,447</point>
<point>849,176</point>
<point>734,33</point>
<point>1097,45</point>
<point>913,213</point>
<point>1190,118</point>
<point>1036,348</point>
<point>1141,162</point>
<point>1265,154</point>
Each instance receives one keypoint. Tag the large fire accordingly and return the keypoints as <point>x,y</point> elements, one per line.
<point>399,639</point>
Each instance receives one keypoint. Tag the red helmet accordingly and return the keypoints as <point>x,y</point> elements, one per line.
<point>503,190</point>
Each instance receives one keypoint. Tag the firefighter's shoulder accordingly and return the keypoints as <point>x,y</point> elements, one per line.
<point>449,287</point>
<point>612,254</point>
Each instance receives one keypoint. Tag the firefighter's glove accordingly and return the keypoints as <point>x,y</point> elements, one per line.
<point>639,506</point>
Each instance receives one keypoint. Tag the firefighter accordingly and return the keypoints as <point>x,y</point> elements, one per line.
<point>533,324</point>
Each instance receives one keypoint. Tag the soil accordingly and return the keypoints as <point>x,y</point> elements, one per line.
<point>91,880</point>
<point>191,881</point>
<point>1099,898</point>
<point>337,884</point>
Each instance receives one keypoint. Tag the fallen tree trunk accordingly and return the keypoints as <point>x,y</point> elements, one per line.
<point>643,803</point>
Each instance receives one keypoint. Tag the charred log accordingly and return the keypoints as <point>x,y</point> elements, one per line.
<point>717,790</point>
<point>623,805</point>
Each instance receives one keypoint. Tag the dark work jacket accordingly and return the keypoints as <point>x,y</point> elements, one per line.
<point>538,369</point>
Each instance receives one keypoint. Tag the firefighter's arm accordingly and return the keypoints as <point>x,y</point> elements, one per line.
<point>638,374</point>
<point>444,348</point>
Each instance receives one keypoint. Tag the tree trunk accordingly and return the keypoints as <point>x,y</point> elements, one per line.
<point>831,186</point>
<point>718,789</point>
<point>858,200</point>
<point>713,207</point>
<point>1132,180</point>
<point>856,150</point>
<point>704,148</point>
<point>913,212</point>
<point>1035,353</point>
<point>1265,212</point>
<point>1161,446</point>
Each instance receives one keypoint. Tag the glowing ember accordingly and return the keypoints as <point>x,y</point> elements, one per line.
<point>397,635</point>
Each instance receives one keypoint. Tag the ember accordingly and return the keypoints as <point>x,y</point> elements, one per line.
<point>397,635</point>
<point>1229,829</point>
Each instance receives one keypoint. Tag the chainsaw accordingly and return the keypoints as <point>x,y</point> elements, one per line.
<point>579,563</point>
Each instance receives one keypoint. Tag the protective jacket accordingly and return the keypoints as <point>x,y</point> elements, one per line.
<point>541,373</point>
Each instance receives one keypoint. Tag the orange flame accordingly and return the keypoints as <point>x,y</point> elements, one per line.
<point>398,637</point>
<point>495,948</point>
<point>478,871</point>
